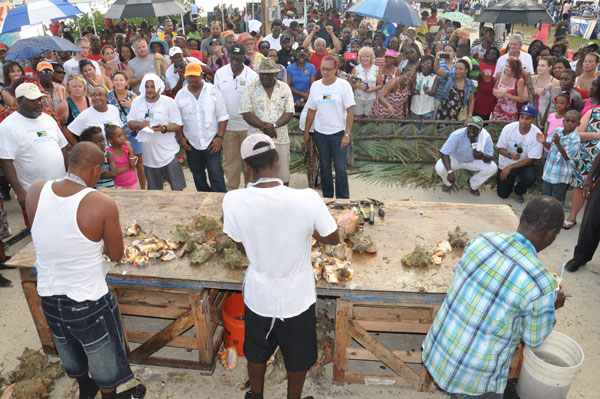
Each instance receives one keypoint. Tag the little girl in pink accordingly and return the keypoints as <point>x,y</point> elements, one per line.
<point>124,158</point>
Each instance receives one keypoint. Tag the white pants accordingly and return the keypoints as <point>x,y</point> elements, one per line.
<point>484,171</point>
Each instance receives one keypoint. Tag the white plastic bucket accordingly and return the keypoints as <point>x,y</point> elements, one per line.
<point>549,370</point>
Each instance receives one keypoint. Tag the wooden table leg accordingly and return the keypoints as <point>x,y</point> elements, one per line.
<point>200,305</point>
<point>343,311</point>
<point>34,302</point>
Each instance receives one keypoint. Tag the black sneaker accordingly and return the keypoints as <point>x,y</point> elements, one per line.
<point>519,199</point>
<point>2,267</point>
<point>4,282</point>
<point>252,395</point>
<point>573,265</point>
<point>137,392</point>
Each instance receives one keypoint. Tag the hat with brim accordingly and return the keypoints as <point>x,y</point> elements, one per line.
<point>267,65</point>
<point>237,51</point>
<point>476,121</point>
<point>215,41</point>
<point>193,69</point>
<point>28,90</point>
<point>244,36</point>
<point>591,44</point>
<point>301,51</point>
<point>528,110</point>
<point>44,65</point>
<point>248,149</point>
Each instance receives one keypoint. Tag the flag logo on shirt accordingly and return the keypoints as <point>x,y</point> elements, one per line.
<point>42,133</point>
<point>327,97</point>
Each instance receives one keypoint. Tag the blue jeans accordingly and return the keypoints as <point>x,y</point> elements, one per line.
<point>488,395</point>
<point>202,161</point>
<point>329,150</point>
<point>89,338</point>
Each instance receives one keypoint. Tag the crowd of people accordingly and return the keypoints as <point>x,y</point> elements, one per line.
<point>119,112</point>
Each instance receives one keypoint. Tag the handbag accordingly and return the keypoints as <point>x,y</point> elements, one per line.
<point>462,115</point>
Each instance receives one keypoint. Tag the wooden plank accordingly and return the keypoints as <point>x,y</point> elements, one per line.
<point>158,299</point>
<point>393,312</point>
<point>159,340</point>
<point>516,362</point>
<point>180,363</point>
<point>343,311</point>
<point>383,354</point>
<point>374,379</point>
<point>150,311</point>
<point>201,319</point>
<point>35,307</point>
<point>363,354</point>
<point>113,290</point>
<point>426,383</point>
<point>395,326</point>
<point>139,337</point>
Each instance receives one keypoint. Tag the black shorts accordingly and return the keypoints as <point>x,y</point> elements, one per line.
<point>296,337</point>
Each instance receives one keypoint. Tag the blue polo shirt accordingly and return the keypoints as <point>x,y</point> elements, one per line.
<point>301,78</point>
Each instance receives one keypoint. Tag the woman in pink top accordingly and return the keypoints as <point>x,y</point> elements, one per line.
<point>125,159</point>
<point>593,100</point>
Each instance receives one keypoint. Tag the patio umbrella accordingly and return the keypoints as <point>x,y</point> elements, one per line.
<point>144,8</point>
<point>44,11</point>
<point>397,11</point>
<point>457,16</point>
<point>526,12</point>
<point>34,46</point>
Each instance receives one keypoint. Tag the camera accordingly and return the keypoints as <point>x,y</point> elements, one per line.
<point>181,64</point>
<point>445,56</point>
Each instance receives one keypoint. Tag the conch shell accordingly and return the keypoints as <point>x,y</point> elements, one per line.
<point>228,358</point>
<point>442,248</point>
<point>348,219</point>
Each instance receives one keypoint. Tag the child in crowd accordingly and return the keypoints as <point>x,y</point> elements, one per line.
<point>124,158</point>
<point>94,135</point>
<point>563,144</point>
<point>555,119</point>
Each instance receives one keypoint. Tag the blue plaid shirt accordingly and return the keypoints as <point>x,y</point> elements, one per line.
<point>557,169</point>
<point>500,294</point>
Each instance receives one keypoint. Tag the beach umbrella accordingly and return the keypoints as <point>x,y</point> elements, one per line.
<point>457,16</point>
<point>144,8</point>
<point>397,11</point>
<point>34,46</point>
<point>9,38</point>
<point>526,12</point>
<point>44,11</point>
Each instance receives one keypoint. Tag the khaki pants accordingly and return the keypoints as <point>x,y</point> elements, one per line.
<point>283,166</point>
<point>232,158</point>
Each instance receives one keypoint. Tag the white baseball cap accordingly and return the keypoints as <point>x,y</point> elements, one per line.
<point>175,50</point>
<point>251,141</point>
<point>29,91</point>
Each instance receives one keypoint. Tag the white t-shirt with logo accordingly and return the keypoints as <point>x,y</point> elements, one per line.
<point>163,147</point>
<point>35,146</point>
<point>232,87</point>
<point>91,117</point>
<point>514,142</point>
<point>331,103</point>
<point>276,225</point>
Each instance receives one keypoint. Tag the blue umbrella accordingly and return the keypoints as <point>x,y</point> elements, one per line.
<point>397,11</point>
<point>39,12</point>
<point>32,47</point>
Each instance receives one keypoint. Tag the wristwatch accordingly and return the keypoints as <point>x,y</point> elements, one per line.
<point>346,135</point>
<point>164,129</point>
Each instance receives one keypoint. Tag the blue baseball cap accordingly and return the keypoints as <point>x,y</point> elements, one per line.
<point>528,110</point>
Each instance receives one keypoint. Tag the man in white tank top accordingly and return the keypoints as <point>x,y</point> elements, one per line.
<point>72,225</point>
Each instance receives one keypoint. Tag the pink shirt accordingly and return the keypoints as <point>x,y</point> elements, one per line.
<point>553,123</point>
<point>127,179</point>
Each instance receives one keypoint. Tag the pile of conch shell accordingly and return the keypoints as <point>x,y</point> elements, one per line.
<point>423,256</point>
<point>144,247</point>
<point>332,270</point>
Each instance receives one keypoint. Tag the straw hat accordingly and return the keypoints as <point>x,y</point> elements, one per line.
<point>267,65</point>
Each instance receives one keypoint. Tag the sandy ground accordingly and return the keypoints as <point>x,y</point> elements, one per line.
<point>580,319</point>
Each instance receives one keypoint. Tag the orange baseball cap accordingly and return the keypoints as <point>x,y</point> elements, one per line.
<point>44,65</point>
<point>193,69</point>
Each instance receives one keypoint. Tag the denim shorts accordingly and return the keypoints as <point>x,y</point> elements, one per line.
<point>89,338</point>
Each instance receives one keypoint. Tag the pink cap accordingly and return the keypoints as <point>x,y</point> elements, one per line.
<point>391,53</point>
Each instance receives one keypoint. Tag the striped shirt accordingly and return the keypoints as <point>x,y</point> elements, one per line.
<point>557,169</point>
<point>500,294</point>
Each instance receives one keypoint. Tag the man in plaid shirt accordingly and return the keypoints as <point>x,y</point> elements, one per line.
<point>500,294</point>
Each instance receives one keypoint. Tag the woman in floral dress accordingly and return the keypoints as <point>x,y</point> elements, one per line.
<point>509,90</point>
<point>393,100</point>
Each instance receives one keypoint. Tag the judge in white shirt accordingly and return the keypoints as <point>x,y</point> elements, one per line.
<point>514,50</point>
<point>204,116</point>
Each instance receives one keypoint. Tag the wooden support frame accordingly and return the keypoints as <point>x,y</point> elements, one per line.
<point>197,309</point>
<point>356,318</point>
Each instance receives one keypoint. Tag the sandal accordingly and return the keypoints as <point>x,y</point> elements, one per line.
<point>446,188</point>
<point>567,224</point>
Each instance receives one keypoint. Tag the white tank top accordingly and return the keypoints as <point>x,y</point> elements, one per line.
<point>68,263</point>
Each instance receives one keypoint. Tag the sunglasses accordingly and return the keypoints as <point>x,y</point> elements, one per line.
<point>46,72</point>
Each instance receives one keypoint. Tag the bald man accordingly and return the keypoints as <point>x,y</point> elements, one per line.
<point>74,227</point>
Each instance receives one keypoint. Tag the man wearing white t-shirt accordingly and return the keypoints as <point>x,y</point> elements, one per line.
<point>204,117</point>
<point>518,149</point>
<point>157,118</point>
<point>32,147</point>
<point>273,38</point>
<point>100,114</point>
<point>331,107</point>
<point>72,66</point>
<point>231,80</point>
<point>514,50</point>
<point>274,225</point>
